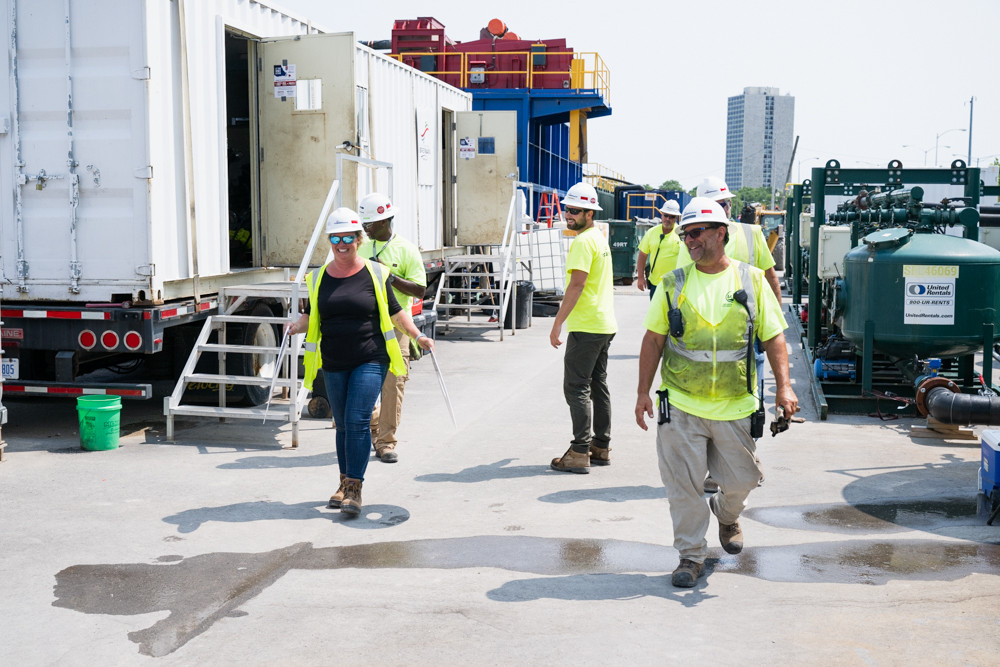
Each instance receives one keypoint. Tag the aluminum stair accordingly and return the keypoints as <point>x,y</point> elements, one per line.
<point>266,357</point>
<point>283,371</point>
<point>475,284</point>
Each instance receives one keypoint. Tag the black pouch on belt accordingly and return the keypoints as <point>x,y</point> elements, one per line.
<point>757,420</point>
<point>664,417</point>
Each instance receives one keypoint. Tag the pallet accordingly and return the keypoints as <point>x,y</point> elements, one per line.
<point>937,429</point>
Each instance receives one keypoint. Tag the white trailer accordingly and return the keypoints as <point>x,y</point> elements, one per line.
<point>152,152</point>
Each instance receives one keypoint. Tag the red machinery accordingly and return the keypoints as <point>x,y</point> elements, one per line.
<point>498,59</point>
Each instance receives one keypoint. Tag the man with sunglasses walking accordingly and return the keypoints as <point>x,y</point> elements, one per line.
<point>662,244</point>
<point>588,312</point>
<point>408,280</point>
<point>700,329</point>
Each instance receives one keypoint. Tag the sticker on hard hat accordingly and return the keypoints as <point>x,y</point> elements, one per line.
<point>381,209</point>
<point>593,201</point>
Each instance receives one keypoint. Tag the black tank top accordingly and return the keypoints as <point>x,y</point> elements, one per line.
<point>349,321</point>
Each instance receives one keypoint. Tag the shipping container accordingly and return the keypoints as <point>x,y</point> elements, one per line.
<point>157,151</point>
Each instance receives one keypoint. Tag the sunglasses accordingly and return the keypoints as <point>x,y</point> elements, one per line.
<point>574,211</point>
<point>693,234</point>
<point>725,203</point>
<point>349,238</point>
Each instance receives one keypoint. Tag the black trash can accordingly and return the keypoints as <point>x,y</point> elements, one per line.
<point>525,289</point>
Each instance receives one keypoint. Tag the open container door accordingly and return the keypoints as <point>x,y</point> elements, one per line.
<point>485,172</point>
<point>306,108</point>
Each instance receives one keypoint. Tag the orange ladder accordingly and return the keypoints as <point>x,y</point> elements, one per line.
<point>549,209</point>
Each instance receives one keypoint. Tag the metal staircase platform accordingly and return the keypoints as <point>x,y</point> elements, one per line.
<point>474,282</point>
<point>232,300</point>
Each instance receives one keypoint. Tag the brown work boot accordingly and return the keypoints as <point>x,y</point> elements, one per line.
<point>731,537</point>
<point>600,456</point>
<point>351,504</point>
<point>338,497</point>
<point>686,574</point>
<point>386,453</point>
<point>572,461</point>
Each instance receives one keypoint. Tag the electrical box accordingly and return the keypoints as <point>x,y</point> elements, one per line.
<point>990,236</point>
<point>834,243</point>
<point>805,229</point>
<point>477,72</point>
<point>989,469</point>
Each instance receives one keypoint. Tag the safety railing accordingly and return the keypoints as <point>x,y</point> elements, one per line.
<point>586,71</point>
<point>603,178</point>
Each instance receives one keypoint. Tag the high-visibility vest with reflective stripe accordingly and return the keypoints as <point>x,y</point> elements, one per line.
<point>312,359</point>
<point>709,361</point>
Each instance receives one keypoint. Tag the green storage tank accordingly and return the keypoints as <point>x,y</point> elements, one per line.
<point>928,295</point>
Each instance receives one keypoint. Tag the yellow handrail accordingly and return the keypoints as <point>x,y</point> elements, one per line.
<point>587,69</point>
<point>602,177</point>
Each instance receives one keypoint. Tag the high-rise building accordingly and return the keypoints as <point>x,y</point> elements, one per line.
<point>759,132</point>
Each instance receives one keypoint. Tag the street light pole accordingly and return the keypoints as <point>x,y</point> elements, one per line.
<point>941,134</point>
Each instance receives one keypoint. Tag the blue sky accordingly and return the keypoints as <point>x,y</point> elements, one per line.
<point>872,81</point>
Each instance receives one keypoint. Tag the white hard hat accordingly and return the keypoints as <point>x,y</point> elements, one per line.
<point>670,207</point>
<point>375,207</point>
<point>702,210</point>
<point>582,195</point>
<point>715,189</point>
<point>343,221</point>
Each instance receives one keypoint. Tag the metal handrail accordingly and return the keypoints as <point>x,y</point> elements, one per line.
<point>587,69</point>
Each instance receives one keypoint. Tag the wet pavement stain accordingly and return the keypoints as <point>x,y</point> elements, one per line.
<point>890,516</point>
<point>200,590</point>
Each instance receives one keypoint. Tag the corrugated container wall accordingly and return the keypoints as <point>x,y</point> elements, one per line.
<point>406,129</point>
<point>104,85</point>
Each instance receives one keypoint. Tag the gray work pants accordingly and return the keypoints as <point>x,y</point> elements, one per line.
<point>585,385</point>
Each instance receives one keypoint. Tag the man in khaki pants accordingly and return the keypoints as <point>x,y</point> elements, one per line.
<point>700,328</point>
<point>408,281</point>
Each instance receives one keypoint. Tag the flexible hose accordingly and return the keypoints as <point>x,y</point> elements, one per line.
<point>965,409</point>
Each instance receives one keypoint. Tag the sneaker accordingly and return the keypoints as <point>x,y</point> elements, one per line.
<point>387,454</point>
<point>731,537</point>
<point>686,574</point>
<point>338,497</point>
<point>600,456</point>
<point>711,486</point>
<point>572,461</point>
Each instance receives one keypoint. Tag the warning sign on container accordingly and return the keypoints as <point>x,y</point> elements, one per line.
<point>929,301</point>
<point>284,81</point>
<point>466,148</point>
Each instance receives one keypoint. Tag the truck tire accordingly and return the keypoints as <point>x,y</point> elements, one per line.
<point>256,364</point>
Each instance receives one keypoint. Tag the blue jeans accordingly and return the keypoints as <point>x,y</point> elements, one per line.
<point>352,396</point>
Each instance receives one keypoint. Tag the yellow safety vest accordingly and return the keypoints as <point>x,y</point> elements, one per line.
<point>312,358</point>
<point>709,361</point>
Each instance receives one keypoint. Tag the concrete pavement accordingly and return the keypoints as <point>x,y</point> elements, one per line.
<point>862,547</point>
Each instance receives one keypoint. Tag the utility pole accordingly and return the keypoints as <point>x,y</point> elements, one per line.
<point>971,102</point>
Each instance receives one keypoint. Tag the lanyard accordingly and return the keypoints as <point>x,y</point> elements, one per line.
<point>375,256</point>
<point>657,255</point>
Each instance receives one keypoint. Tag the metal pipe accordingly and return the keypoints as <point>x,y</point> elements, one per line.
<point>950,407</point>
<point>71,163</point>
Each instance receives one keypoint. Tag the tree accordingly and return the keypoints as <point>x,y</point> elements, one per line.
<point>672,185</point>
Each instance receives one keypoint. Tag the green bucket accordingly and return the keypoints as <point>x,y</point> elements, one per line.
<point>100,419</point>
